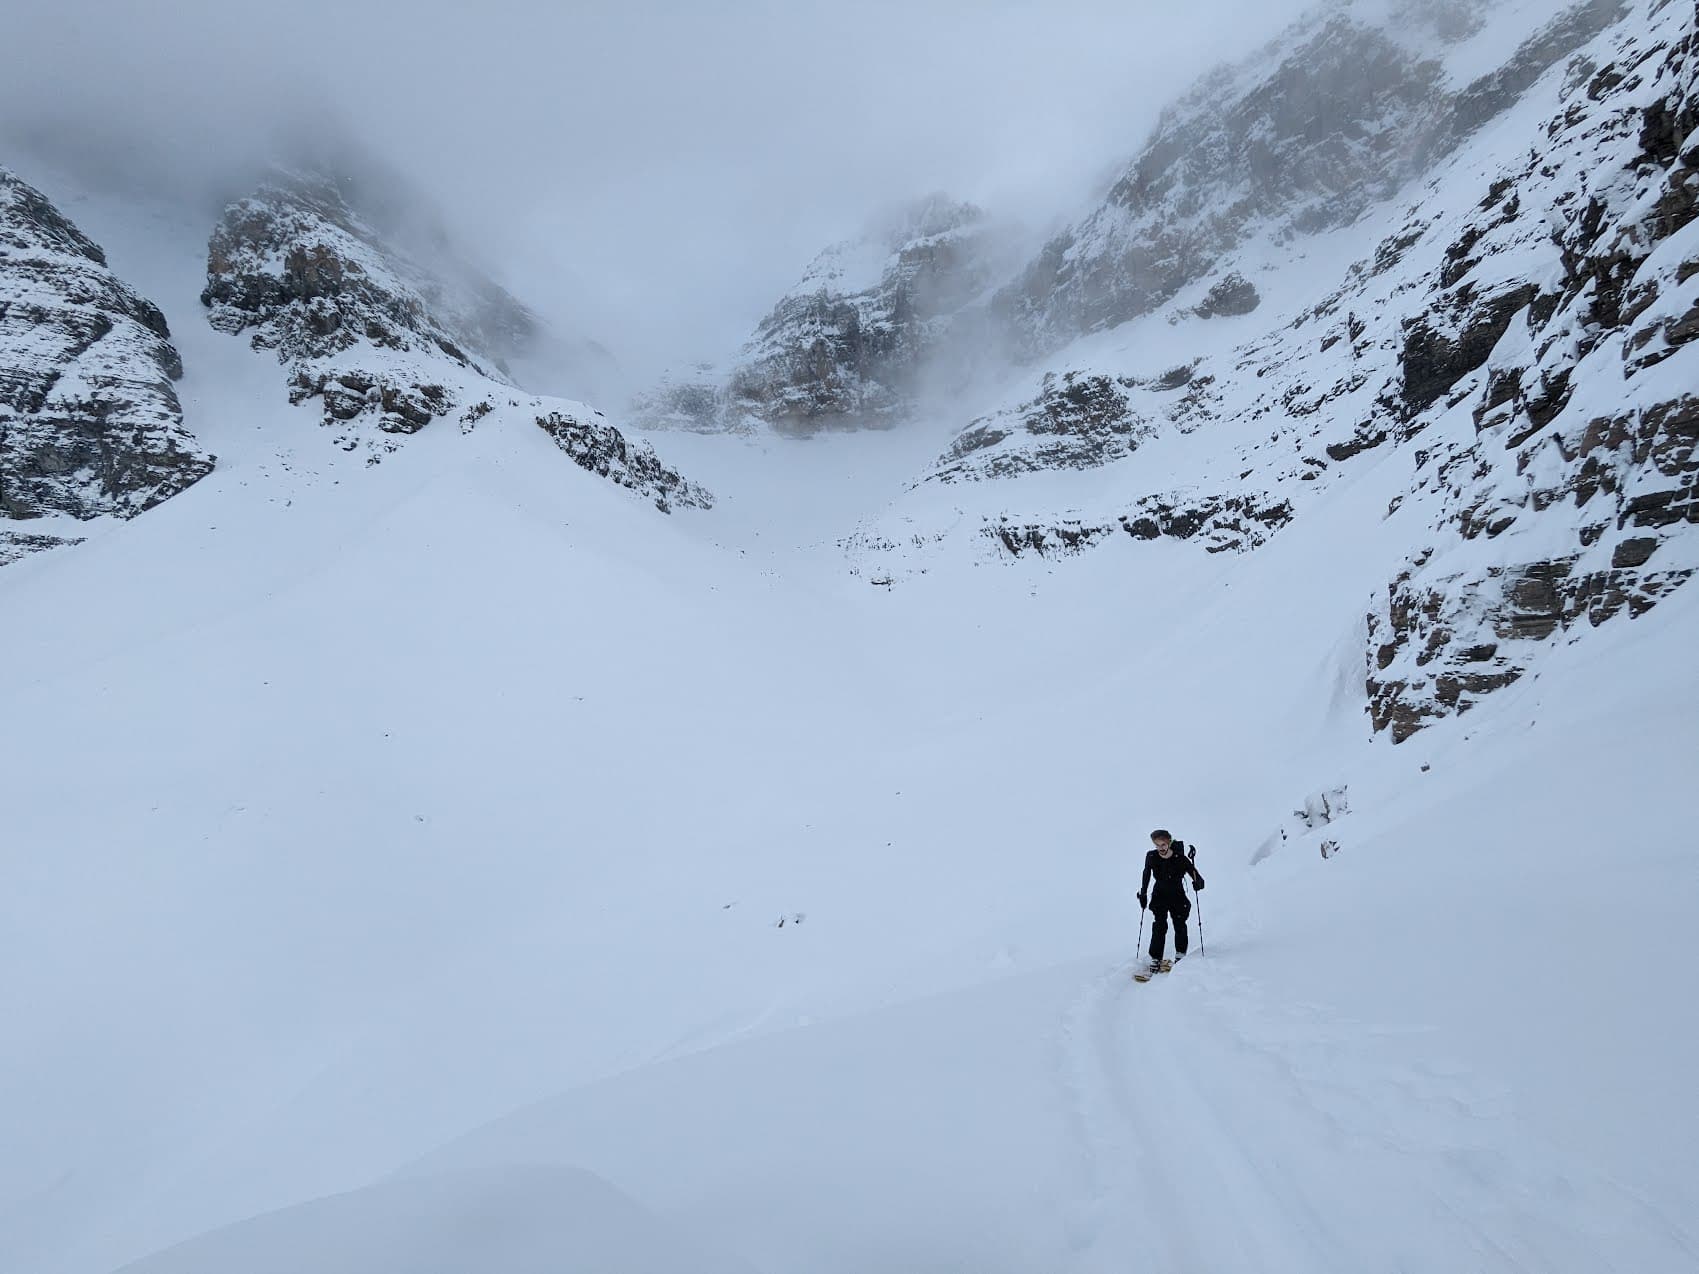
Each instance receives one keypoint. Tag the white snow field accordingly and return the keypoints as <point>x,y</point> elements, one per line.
<point>457,865</point>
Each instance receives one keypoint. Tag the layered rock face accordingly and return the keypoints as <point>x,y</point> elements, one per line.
<point>89,422</point>
<point>1574,494</point>
<point>842,349</point>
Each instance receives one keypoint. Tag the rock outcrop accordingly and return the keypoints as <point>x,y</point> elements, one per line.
<point>1220,524</point>
<point>599,448</point>
<point>90,425</point>
<point>1231,296</point>
<point>1079,420</point>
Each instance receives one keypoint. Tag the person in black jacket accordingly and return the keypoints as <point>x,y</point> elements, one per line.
<point>1168,865</point>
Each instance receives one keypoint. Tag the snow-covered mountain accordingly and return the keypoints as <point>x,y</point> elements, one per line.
<point>844,348</point>
<point>1503,314</point>
<point>90,424</point>
<point>386,344</point>
<point>359,325</point>
<point>317,271</point>
<point>421,857</point>
<point>1335,118</point>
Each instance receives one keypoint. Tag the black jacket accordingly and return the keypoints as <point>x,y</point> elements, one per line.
<point>1168,872</point>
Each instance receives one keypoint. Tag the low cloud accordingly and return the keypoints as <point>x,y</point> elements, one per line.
<point>648,174</point>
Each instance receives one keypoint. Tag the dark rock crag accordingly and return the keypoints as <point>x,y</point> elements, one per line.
<point>601,449</point>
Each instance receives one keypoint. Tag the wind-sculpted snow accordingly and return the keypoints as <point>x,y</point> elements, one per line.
<point>89,422</point>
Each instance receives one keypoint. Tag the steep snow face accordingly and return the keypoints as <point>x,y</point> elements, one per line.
<point>843,347</point>
<point>90,424</point>
<point>1514,331</point>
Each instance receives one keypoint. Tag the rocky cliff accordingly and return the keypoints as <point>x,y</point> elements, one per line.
<point>89,422</point>
<point>1564,473</point>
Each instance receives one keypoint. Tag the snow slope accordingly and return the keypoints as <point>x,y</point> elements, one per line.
<point>448,810</point>
<point>452,863</point>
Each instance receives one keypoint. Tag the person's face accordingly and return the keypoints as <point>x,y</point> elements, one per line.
<point>1165,846</point>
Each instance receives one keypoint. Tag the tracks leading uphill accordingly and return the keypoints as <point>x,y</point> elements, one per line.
<point>1220,1127</point>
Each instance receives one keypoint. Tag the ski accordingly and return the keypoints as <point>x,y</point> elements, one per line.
<point>1151,970</point>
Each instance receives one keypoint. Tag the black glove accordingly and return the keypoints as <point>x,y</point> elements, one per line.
<point>1143,903</point>
<point>1198,883</point>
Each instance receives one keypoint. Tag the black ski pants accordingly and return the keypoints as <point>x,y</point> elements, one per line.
<point>1165,906</point>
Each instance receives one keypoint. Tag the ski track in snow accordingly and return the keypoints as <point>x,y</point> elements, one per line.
<point>1220,1129</point>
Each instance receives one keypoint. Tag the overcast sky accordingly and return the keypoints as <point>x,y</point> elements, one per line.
<point>655,173</point>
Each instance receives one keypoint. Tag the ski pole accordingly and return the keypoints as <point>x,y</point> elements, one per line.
<point>1140,946</point>
<point>1192,855</point>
